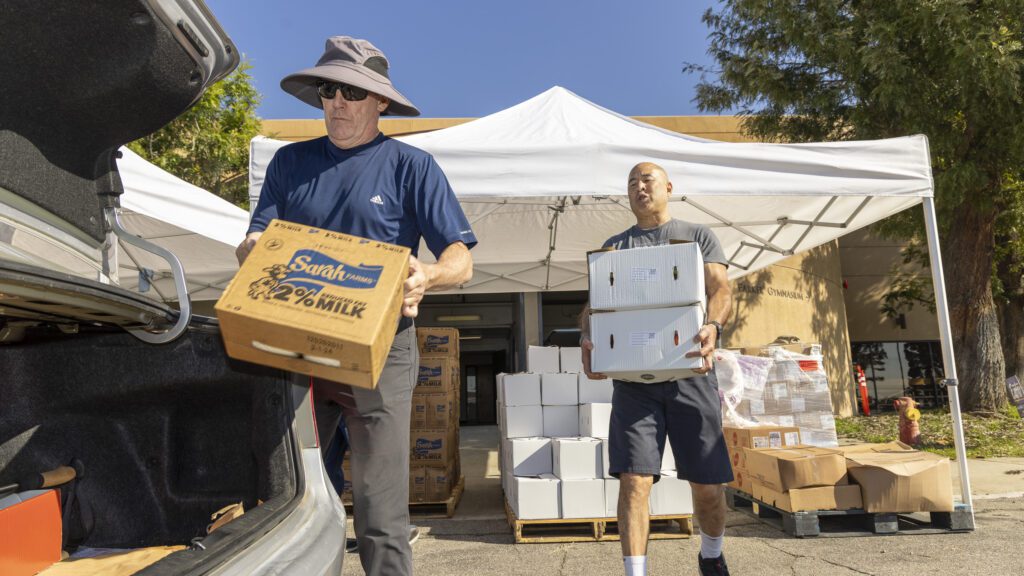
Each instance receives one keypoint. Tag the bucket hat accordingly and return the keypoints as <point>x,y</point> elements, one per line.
<point>351,61</point>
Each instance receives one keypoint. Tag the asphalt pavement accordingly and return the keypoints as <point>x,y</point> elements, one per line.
<point>478,540</point>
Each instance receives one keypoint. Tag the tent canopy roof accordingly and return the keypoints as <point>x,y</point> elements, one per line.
<point>544,181</point>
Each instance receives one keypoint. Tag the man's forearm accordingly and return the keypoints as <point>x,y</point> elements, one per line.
<point>453,268</point>
<point>585,321</point>
<point>720,306</point>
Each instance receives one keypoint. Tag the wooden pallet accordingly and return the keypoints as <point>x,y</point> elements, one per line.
<point>556,530</point>
<point>425,510</point>
<point>839,523</point>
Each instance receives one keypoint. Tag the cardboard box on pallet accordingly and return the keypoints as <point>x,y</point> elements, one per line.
<point>417,484</point>
<point>783,469</point>
<point>437,374</point>
<point>670,496</point>
<point>439,482</point>
<point>438,341</point>
<point>843,497</point>
<point>741,480</point>
<point>902,481</point>
<point>535,498</point>
<point>433,446</point>
<point>441,410</point>
<point>738,457</point>
<point>559,389</point>
<point>543,359</point>
<point>315,302</point>
<point>519,389</point>
<point>570,359</point>
<point>583,498</point>
<point>419,412</point>
<point>761,436</point>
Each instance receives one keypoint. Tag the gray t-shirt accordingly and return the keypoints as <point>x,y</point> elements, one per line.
<point>674,229</point>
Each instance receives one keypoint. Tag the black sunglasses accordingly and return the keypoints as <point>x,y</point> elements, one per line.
<point>327,90</point>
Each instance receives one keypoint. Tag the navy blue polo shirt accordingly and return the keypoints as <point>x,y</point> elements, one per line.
<point>384,190</point>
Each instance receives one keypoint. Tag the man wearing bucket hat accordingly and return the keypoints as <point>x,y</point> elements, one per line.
<point>357,181</point>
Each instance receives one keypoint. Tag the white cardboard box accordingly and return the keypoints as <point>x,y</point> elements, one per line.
<point>591,391</point>
<point>541,359</point>
<point>649,277</point>
<point>536,498</point>
<point>576,458</point>
<point>646,345</point>
<point>595,419</point>
<point>668,459</point>
<point>611,497</point>
<point>528,456</point>
<point>559,389</point>
<point>605,460</point>
<point>571,359</point>
<point>523,421</point>
<point>521,389</point>
<point>583,499</point>
<point>561,421</point>
<point>670,495</point>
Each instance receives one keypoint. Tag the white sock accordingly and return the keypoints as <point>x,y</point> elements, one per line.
<point>635,565</point>
<point>710,546</point>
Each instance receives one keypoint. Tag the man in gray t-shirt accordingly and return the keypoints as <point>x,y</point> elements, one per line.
<point>687,412</point>
<point>637,237</point>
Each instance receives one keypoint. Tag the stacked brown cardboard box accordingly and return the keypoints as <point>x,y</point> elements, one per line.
<point>434,466</point>
<point>801,478</point>
<point>893,477</point>
<point>736,439</point>
<point>770,464</point>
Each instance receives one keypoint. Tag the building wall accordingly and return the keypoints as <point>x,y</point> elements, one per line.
<point>800,297</point>
<point>722,128</point>
<point>870,265</point>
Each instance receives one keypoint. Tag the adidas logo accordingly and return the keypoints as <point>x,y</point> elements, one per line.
<point>377,200</point>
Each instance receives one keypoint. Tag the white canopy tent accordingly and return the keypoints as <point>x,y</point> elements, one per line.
<point>544,181</point>
<point>200,228</point>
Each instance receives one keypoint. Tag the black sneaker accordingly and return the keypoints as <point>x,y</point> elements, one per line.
<point>351,545</point>
<point>712,566</point>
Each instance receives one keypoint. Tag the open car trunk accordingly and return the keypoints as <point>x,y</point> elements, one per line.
<point>162,435</point>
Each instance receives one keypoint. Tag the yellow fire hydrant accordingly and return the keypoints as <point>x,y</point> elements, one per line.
<point>910,430</point>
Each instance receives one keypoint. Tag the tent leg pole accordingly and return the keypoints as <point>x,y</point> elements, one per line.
<point>942,308</point>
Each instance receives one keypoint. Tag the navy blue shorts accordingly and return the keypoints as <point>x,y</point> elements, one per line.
<point>687,412</point>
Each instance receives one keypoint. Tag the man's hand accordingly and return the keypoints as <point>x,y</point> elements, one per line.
<point>706,338</point>
<point>586,347</point>
<point>243,250</point>
<point>415,286</point>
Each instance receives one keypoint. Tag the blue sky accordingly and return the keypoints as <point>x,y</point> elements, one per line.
<point>466,58</point>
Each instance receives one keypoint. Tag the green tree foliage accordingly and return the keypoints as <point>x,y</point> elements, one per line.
<point>808,70</point>
<point>208,145</point>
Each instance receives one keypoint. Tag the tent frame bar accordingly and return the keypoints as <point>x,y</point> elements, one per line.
<point>948,360</point>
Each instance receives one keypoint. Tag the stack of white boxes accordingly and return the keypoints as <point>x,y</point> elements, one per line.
<point>646,305</point>
<point>554,443</point>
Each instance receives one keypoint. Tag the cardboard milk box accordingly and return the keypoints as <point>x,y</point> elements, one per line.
<point>315,302</point>
<point>438,341</point>
<point>436,374</point>
<point>648,277</point>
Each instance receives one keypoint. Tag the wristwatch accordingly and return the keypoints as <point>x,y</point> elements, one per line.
<point>718,331</point>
